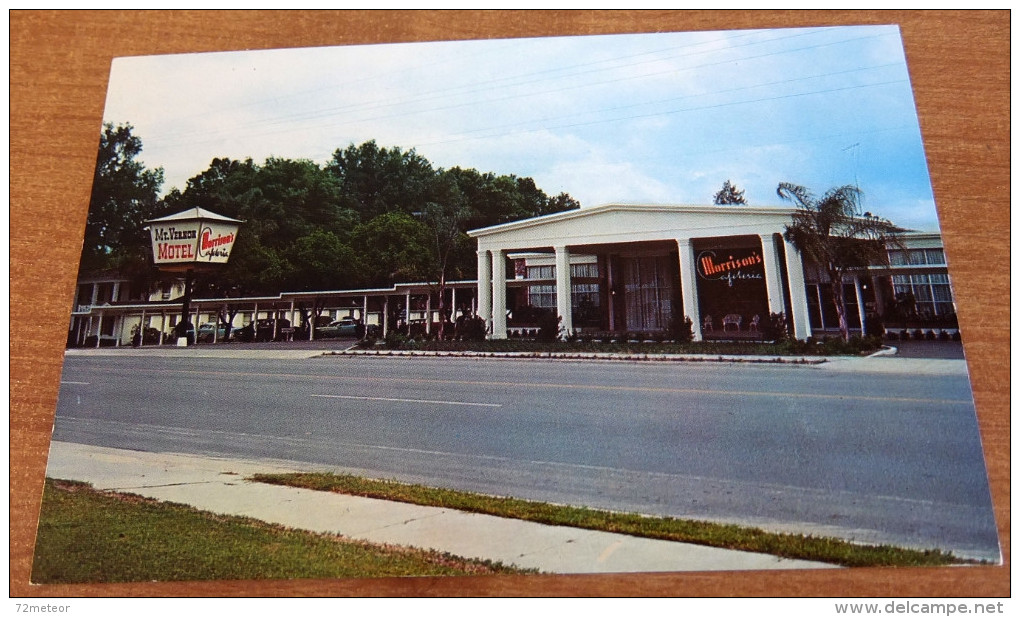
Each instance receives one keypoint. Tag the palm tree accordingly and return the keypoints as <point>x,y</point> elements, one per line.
<point>832,232</point>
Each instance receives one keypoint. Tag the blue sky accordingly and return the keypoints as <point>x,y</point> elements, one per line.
<point>646,118</point>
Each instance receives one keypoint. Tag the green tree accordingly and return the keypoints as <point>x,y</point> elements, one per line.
<point>374,180</point>
<point>444,217</point>
<point>321,260</point>
<point>394,248</point>
<point>124,195</point>
<point>288,206</point>
<point>833,233</point>
<point>729,195</point>
<point>403,219</point>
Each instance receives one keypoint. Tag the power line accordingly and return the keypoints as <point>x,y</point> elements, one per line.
<point>329,112</point>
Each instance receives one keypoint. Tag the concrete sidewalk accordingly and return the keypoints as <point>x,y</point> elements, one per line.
<point>218,485</point>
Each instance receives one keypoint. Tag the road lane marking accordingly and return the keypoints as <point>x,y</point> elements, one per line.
<point>405,400</point>
<point>562,386</point>
<point>503,462</point>
<point>77,383</point>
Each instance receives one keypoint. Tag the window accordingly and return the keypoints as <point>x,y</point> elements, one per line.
<point>541,272</point>
<point>584,271</point>
<point>585,297</point>
<point>918,257</point>
<point>932,294</point>
<point>542,296</point>
<point>897,258</point>
<point>935,257</point>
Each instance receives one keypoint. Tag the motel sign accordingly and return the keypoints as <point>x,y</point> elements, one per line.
<point>195,239</point>
<point>188,239</point>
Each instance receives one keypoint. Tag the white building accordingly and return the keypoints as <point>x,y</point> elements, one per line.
<point>726,268</point>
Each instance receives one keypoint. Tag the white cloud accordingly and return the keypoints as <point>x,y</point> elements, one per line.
<point>664,117</point>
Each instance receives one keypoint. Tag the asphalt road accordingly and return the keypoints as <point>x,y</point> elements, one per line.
<point>875,458</point>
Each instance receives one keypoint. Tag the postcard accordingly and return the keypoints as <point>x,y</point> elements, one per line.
<point>595,304</point>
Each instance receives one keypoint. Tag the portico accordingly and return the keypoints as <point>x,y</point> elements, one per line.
<point>636,267</point>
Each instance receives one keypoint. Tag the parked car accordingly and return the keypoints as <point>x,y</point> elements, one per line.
<point>346,327</point>
<point>261,331</point>
<point>206,334</point>
<point>339,328</point>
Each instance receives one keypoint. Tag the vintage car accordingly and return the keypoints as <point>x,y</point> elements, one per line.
<point>206,334</point>
<point>346,327</point>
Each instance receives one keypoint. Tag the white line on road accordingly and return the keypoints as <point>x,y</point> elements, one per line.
<point>77,383</point>
<point>405,400</point>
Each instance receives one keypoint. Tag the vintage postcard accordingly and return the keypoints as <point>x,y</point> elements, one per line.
<point>599,304</point>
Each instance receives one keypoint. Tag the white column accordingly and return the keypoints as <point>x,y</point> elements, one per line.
<point>99,330</point>
<point>311,330</point>
<point>116,293</point>
<point>798,296</point>
<point>498,295</point>
<point>484,295</point>
<point>407,311</point>
<point>564,305</point>
<point>773,275</point>
<point>688,285</point>
<point>453,304</point>
<point>141,331</point>
<point>162,326</point>
<point>610,295</point>
<point>120,330</point>
<point>860,302</point>
<point>428,311</point>
<point>385,316</point>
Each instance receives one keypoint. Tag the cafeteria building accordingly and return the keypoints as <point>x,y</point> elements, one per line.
<point>631,268</point>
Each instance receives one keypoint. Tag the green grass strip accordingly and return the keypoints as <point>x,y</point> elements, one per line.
<point>792,546</point>
<point>90,536</point>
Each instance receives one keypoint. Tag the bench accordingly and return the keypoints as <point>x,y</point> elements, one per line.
<point>732,320</point>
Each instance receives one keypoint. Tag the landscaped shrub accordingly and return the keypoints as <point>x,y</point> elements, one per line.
<point>777,328</point>
<point>681,328</point>
<point>395,340</point>
<point>548,327</point>
<point>366,343</point>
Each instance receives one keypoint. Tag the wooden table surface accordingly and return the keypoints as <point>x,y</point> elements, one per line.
<point>59,66</point>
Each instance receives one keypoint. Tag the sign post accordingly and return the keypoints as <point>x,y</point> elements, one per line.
<point>190,241</point>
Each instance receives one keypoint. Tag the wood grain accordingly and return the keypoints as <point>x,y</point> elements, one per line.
<point>59,64</point>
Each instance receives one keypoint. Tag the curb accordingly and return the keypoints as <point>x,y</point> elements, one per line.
<point>887,350</point>
<point>607,357</point>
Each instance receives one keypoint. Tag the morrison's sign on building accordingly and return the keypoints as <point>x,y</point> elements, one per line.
<point>190,238</point>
